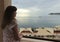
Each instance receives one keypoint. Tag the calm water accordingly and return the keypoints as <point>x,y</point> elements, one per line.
<point>41,21</point>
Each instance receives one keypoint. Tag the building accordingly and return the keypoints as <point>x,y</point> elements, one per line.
<point>26,31</point>
<point>45,31</point>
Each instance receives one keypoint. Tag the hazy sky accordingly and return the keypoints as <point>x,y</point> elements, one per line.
<point>28,8</point>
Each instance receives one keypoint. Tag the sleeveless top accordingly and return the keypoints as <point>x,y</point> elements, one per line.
<point>8,35</point>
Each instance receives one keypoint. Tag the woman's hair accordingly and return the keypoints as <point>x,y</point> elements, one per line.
<point>8,15</point>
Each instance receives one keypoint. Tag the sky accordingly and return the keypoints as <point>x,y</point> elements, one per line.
<point>27,8</point>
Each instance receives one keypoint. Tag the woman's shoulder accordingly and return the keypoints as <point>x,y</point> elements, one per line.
<point>12,24</point>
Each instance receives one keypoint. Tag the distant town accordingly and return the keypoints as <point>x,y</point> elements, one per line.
<point>42,32</point>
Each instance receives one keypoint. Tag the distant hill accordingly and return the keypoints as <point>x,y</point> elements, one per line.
<point>54,14</point>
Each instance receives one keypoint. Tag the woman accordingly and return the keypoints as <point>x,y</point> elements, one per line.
<point>9,25</point>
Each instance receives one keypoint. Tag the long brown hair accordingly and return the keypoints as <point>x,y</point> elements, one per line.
<point>8,15</point>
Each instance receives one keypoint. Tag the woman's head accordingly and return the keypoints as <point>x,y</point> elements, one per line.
<point>9,15</point>
<point>10,12</point>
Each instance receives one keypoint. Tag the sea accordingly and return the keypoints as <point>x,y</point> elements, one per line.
<point>40,21</point>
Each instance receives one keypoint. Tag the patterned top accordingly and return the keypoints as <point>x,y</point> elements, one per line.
<point>8,35</point>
